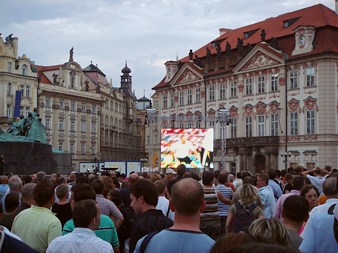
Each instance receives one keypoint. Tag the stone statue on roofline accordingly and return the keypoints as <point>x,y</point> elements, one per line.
<point>25,129</point>
<point>71,54</point>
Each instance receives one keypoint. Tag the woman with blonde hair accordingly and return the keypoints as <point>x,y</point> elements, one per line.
<point>249,201</point>
<point>269,230</point>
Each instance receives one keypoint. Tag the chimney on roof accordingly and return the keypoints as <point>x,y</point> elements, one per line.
<point>223,31</point>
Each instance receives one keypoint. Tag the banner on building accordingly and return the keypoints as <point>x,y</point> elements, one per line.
<point>18,94</point>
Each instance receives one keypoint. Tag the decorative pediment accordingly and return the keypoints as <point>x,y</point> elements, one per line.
<point>187,76</point>
<point>294,105</point>
<point>233,111</point>
<point>248,110</point>
<point>274,107</point>
<point>310,104</point>
<point>260,108</point>
<point>259,58</point>
<point>211,112</point>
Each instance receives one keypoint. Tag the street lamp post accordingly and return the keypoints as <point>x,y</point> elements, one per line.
<point>151,118</point>
<point>223,118</point>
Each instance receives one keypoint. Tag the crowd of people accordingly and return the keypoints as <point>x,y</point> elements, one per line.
<point>216,212</point>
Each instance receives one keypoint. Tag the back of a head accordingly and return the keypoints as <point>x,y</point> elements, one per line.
<point>81,179</point>
<point>239,174</point>
<point>4,180</point>
<point>43,192</point>
<point>330,186</point>
<point>230,240</point>
<point>296,208</point>
<point>267,230</point>
<point>82,192</point>
<point>181,169</point>
<point>27,191</point>
<point>207,178</point>
<point>264,177</point>
<point>248,194</point>
<point>133,178</point>
<point>160,185</point>
<point>115,196</point>
<point>41,175</point>
<point>11,201</point>
<point>247,180</point>
<point>187,196</point>
<point>272,174</point>
<point>14,183</point>
<point>147,190</point>
<point>222,179</point>
<point>298,183</point>
<point>98,186</point>
<point>83,213</point>
<point>62,191</point>
<point>288,177</point>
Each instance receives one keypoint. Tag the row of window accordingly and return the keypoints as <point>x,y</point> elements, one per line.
<point>23,111</point>
<point>84,107</point>
<point>72,125</point>
<point>249,83</point>
<point>24,89</point>
<point>72,147</point>
<point>117,108</point>
<point>261,124</point>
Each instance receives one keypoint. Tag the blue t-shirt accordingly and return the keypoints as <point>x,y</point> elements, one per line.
<point>178,241</point>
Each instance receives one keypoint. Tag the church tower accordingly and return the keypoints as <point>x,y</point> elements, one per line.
<point>126,83</point>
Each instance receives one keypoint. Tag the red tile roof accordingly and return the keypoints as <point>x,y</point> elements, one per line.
<point>319,16</point>
<point>42,76</point>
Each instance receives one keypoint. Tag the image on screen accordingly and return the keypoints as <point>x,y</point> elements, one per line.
<point>193,147</point>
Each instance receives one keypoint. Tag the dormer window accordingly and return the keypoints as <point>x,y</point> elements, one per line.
<point>217,42</point>
<point>289,22</point>
<point>250,33</point>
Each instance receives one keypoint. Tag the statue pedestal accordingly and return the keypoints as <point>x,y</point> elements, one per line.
<point>26,158</point>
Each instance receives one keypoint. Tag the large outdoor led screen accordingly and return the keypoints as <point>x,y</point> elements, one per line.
<point>193,147</point>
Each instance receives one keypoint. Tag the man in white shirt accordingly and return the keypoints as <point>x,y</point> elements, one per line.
<point>181,150</point>
<point>86,217</point>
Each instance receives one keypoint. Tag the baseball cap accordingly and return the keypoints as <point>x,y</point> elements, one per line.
<point>171,171</point>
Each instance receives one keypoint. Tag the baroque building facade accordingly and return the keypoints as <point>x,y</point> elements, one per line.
<point>83,113</point>
<point>278,80</point>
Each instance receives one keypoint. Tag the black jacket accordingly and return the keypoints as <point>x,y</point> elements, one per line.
<point>145,223</point>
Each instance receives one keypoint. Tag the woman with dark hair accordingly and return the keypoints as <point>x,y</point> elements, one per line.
<point>311,194</point>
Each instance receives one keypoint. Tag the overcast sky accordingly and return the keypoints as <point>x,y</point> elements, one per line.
<point>146,33</point>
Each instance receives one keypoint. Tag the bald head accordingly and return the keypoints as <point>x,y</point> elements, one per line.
<point>187,196</point>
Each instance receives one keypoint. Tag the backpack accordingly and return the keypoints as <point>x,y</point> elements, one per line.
<point>335,222</point>
<point>243,218</point>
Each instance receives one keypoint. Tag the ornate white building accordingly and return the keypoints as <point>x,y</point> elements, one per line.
<point>16,74</point>
<point>278,78</point>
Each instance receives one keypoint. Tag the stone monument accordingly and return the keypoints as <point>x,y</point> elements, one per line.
<point>23,147</point>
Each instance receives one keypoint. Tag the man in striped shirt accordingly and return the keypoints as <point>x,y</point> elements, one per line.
<point>224,195</point>
<point>210,220</point>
